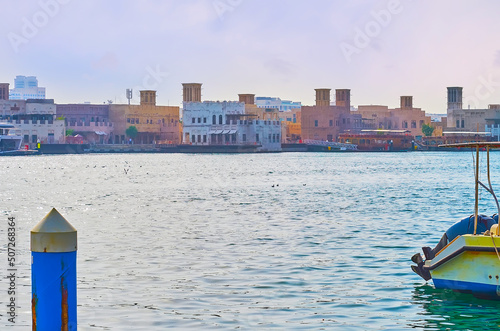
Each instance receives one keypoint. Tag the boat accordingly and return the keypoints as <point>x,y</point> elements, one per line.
<point>379,140</point>
<point>467,258</point>
<point>10,140</point>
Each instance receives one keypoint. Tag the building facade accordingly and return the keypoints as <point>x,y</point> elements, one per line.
<point>154,124</point>
<point>36,119</point>
<point>471,120</point>
<point>213,123</point>
<point>277,103</point>
<point>324,121</point>
<point>406,117</point>
<point>90,121</point>
<point>26,87</point>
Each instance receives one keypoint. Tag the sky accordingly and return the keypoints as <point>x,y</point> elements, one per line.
<point>92,51</point>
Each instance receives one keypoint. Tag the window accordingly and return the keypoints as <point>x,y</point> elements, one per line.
<point>137,120</point>
<point>244,137</point>
<point>193,120</point>
<point>220,119</point>
<point>458,123</point>
<point>331,122</point>
<point>421,123</point>
<point>204,120</point>
<point>132,121</point>
<point>413,124</point>
<point>193,138</point>
<point>463,123</point>
<point>199,119</point>
<point>315,122</point>
<point>274,138</point>
<point>205,137</point>
<point>257,137</point>
<point>214,119</point>
<point>199,138</point>
<point>128,120</point>
<point>34,139</point>
<point>278,138</point>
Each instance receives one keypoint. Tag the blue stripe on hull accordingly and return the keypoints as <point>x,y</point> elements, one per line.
<point>475,288</point>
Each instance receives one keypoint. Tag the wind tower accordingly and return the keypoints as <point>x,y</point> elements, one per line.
<point>455,98</point>
<point>323,97</point>
<point>343,98</point>
<point>148,98</point>
<point>406,103</point>
<point>248,99</point>
<point>191,92</point>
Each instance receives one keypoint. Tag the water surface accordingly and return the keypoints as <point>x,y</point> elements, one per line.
<point>251,241</point>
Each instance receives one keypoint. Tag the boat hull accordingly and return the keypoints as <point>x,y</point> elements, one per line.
<point>468,264</point>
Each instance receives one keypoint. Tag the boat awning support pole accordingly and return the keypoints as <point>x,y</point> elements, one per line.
<point>477,189</point>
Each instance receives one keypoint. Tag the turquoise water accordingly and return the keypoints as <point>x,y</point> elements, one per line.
<point>206,242</point>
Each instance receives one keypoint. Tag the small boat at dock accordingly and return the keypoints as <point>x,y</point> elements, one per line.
<point>10,140</point>
<point>467,258</point>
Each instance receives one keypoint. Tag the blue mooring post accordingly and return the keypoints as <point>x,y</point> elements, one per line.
<point>53,274</point>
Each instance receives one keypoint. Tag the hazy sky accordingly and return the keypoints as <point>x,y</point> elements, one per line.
<point>90,50</point>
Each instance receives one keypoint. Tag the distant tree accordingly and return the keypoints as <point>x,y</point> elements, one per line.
<point>427,130</point>
<point>131,132</point>
<point>70,132</point>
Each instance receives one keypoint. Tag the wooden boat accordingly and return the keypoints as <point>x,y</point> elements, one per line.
<point>470,262</point>
<point>379,140</point>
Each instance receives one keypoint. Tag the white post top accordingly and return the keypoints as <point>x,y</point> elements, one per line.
<point>53,234</point>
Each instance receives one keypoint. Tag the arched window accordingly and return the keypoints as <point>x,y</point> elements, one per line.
<point>220,119</point>
<point>214,119</point>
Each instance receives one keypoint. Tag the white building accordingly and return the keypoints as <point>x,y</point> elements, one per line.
<point>225,123</point>
<point>277,103</point>
<point>36,119</point>
<point>26,87</point>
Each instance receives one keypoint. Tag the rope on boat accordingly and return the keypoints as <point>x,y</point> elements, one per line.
<point>496,249</point>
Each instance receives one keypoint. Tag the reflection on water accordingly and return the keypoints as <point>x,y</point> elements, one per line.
<point>449,310</point>
<point>284,241</point>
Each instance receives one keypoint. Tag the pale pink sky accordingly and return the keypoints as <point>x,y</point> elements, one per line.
<point>93,50</point>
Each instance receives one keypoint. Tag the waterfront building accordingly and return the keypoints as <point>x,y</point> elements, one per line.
<point>217,123</point>
<point>291,123</point>
<point>4,91</point>
<point>36,119</point>
<point>471,120</point>
<point>154,124</point>
<point>277,103</point>
<point>406,117</point>
<point>325,121</point>
<point>90,121</point>
<point>26,87</point>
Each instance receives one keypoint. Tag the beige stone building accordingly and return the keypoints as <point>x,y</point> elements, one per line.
<point>154,123</point>
<point>406,117</point>
<point>324,121</point>
<point>471,119</point>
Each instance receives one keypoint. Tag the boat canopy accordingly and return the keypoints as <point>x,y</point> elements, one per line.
<point>479,144</point>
